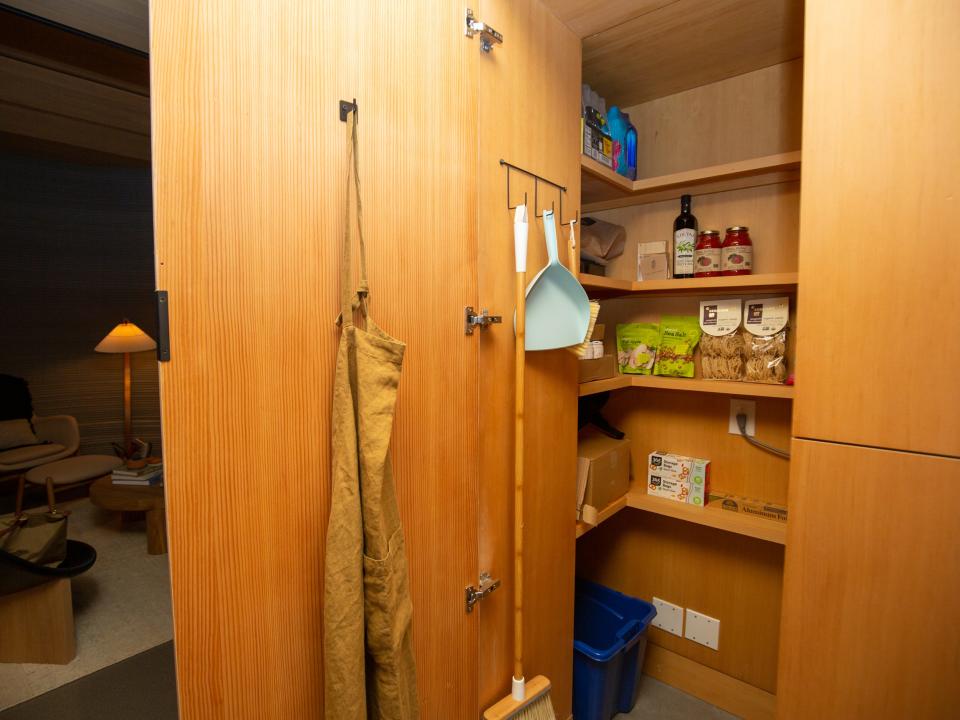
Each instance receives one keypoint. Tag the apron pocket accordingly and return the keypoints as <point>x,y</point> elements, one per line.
<point>387,603</point>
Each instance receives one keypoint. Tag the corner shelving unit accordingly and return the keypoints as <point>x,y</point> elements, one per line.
<point>729,136</point>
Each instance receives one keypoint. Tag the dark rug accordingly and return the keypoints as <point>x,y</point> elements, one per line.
<point>143,687</point>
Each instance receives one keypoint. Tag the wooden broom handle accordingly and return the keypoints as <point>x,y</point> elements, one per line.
<point>518,458</point>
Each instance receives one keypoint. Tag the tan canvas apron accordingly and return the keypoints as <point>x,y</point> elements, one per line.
<point>368,653</point>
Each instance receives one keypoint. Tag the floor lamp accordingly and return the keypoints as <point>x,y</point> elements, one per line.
<point>126,338</point>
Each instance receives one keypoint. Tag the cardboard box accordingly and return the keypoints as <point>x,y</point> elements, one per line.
<point>598,368</point>
<point>678,477</point>
<point>595,144</point>
<point>608,475</point>
<point>750,506</point>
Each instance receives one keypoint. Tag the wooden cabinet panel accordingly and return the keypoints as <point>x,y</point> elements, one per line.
<point>881,174</point>
<point>250,172</point>
<point>530,116</point>
<point>639,58</point>
<point>745,116</point>
<point>871,623</point>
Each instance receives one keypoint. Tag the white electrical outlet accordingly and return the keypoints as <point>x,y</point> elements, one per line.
<point>669,617</point>
<point>703,629</point>
<point>744,407</point>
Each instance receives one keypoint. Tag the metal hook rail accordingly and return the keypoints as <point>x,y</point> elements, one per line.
<point>537,179</point>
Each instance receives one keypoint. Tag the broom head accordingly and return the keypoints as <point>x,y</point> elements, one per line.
<point>535,706</point>
<point>581,349</point>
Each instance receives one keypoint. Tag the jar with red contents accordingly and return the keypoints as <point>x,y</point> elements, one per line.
<point>736,254</point>
<point>706,256</point>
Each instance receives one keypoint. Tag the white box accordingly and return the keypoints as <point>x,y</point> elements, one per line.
<point>678,477</point>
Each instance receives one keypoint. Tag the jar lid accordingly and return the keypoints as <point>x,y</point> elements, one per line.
<point>738,228</point>
<point>710,232</point>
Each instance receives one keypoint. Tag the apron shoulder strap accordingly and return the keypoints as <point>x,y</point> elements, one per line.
<point>351,301</point>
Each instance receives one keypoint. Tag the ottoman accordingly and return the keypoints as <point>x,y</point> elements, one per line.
<point>71,471</point>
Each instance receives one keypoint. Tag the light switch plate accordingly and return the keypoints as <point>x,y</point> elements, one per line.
<point>703,629</point>
<point>748,408</point>
<point>669,617</point>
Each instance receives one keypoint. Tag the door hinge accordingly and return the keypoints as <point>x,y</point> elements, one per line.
<point>487,586</point>
<point>488,36</point>
<point>472,320</point>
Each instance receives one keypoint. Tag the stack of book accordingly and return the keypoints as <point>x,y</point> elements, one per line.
<point>151,474</point>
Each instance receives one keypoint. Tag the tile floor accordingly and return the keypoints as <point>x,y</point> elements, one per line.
<point>658,701</point>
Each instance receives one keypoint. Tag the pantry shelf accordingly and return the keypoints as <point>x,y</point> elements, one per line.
<point>717,387</point>
<point>605,514</point>
<point>598,286</point>
<point>711,516</point>
<point>604,189</point>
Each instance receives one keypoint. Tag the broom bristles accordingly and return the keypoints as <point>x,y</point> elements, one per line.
<point>581,349</point>
<point>535,706</point>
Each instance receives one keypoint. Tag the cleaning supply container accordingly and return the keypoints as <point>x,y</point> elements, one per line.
<point>609,644</point>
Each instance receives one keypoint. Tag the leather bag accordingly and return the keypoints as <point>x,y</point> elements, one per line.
<point>37,537</point>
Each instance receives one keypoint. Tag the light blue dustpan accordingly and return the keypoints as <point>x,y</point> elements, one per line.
<point>558,309</point>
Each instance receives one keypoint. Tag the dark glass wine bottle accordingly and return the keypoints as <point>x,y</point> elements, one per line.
<point>684,240</point>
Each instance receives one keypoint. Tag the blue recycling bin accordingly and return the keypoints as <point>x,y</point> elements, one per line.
<point>609,644</point>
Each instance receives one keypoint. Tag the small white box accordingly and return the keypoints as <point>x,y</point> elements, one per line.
<point>652,248</point>
<point>678,477</point>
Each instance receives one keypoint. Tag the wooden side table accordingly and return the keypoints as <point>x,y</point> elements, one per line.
<point>135,498</point>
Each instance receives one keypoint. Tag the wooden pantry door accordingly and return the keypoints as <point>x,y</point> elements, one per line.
<point>529,116</point>
<point>249,159</point>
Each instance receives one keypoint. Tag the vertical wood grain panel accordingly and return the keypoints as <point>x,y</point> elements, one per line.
<point>751,115</point>
<point>687,43</point>
<point>771,212</point>
<point>249,170</point>
<point>881,178</point>
<point>529,116</point>
<point>418,124</point>
<point>696,424</point>
<point>870,613</point>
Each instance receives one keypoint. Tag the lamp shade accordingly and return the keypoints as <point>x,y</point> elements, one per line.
<point>126,338</point>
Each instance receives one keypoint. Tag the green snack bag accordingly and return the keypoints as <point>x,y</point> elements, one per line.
<point>679,335</point>
<point>637,347</point>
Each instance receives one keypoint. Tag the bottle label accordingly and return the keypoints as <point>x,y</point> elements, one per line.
<point>684,243</point>
<point>738,257</point>
<point>706,260</point>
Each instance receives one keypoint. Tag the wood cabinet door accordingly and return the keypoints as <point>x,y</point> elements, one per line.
<point>871,622</point>
<point>249,159</point>
<point>880,299</point>
<point>530,116</point>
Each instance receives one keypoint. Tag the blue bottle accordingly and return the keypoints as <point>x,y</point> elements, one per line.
<point>631,143</point>
<point>618,134</point>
